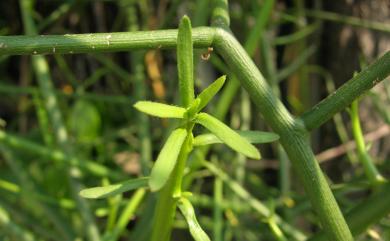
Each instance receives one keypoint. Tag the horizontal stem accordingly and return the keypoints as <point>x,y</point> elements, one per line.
<point>344,19</point>
<point>348,92</point>
<point>100,42</point>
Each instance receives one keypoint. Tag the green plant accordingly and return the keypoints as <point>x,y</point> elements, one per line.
<point>292,131</point>
<point>168,170</point>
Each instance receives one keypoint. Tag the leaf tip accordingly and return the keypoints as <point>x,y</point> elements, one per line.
<point>137,105</point>
<point>256,155</point>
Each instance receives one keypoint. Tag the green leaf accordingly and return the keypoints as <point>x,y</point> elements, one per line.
<point>185,66</point>
<point>207,94</point>
<point>111,190</point>
<point>227,135</point>
<point>160,110</point>
<point>254,137</point>
<point>166,160</point>
<point>188,212</point>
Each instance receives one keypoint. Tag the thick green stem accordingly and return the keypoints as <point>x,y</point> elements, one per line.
<point>292,135</point>
<point>344,96</point>
<point>220,15</point>
<point>365,214</point>
<point>99,42</point>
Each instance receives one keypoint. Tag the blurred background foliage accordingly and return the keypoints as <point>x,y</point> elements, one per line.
<point>305,49</point>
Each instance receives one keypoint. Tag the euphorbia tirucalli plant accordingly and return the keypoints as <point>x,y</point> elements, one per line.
<point>167,172</point>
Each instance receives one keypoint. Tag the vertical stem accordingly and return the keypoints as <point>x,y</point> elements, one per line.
<point>217,210</point>
<point>167,200</point>
<point>220,15</point>
<point>372,173</point>
<point>48,94</point>
<point>140,94</point>
<point>293,136</point>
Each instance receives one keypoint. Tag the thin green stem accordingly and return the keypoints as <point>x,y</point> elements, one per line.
<point>354,21</point>
<point>255,204</point>
<point>13,230</point>
<point>126,215</point>
<point>343,97</point>
<point>217,210</point>
<point>113,99</point>
<point>57,155</point>
<point>46,87</point>
<point>30,196</point>
<point>372,173</point>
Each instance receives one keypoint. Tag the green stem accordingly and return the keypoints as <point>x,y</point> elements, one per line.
<point>167,199</point>
<point>348,92</point>
<point>46,87</point>
<point>372,173</point>
<point>354,21</point>
<point>56,155</point>
<point>220,15</point>
<point>217,210</point>
<point>255,204</point>
<point>292,135</point>
<point>366,213</point>
<point>100,42</point>
<point>126,215</point>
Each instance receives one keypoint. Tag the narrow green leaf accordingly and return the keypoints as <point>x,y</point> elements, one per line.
<point>188,212</point>
<point>207,94</point>
<point>111,190</point>
<point>160,110</point>
<point>185,66</point>
<point>254,137</point>
<point>166,160</point>
<point>227,135</point>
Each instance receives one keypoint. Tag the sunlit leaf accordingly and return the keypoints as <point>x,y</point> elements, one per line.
<point>159,109</point>
<point>227,135</point>
<point>188,212</point>
<point>114,189</point>
<point>166,160</point>
<point>254,137</point>
<point>207,94</point>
